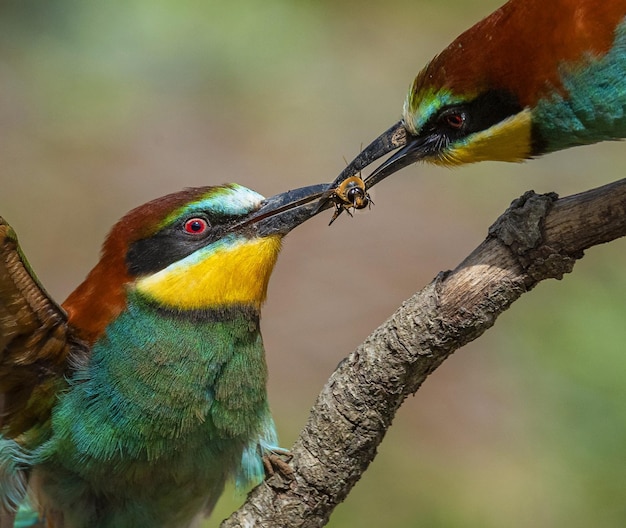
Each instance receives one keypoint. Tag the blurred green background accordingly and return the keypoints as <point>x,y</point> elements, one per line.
<point>105,105</point>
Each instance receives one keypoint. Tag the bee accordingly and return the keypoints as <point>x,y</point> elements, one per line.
<point>349,194</point>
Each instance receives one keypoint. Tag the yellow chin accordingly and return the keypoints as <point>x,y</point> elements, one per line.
<point>237,273</point>
<point>509,140</point>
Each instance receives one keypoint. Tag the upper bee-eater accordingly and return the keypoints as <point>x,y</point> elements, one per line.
<point>132,403</point>
<point>533,77</point>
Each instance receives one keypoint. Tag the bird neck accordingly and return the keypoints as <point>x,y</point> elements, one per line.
<point>100,298</point>
<point>235,272</point>
<point>593,106</point>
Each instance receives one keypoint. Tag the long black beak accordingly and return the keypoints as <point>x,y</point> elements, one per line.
<point>283,212</point>
<point>412,148</point>
<point>415,149</point>
<point>389,140</point>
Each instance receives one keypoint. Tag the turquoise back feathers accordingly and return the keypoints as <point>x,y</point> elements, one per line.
<point>593,105</point>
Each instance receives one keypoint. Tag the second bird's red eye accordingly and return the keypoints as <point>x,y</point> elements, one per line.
<point>455,120</point>
<point>196,226</point>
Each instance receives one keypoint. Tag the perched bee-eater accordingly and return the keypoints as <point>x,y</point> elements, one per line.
<point>130,405</point>
<point>533,77</point>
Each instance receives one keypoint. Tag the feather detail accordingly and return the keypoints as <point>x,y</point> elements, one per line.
<point>35,342</point>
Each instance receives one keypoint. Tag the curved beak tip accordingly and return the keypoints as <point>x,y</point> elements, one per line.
<point>393,138</point>
<point>281,213</point>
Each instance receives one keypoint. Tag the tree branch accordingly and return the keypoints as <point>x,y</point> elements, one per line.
<point>538,237</point>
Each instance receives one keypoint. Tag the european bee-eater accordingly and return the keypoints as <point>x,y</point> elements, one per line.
<point>130,405</point>
<point>533,77</point>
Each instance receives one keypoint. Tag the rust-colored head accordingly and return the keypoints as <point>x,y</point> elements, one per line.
<point>203,248</point>
<point>102,295</point>
<point>519,49</point>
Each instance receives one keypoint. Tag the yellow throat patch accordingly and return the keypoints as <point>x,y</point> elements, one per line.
<point>234,273</point>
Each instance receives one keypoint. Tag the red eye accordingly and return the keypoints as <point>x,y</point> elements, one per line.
<point>196,226</point>
<point>455,121</point>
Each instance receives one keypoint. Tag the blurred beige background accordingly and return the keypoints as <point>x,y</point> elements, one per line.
<point>106,105</point>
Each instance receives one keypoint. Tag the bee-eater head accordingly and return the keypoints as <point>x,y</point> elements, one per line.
<point>453,114</point>
<point>201,248</point>
<point>501,91</point>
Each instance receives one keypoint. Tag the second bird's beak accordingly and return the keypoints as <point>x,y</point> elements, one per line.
<point>281,213</point>
<point>412,148</point>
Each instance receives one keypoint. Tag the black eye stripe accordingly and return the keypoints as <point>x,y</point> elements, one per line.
<point>479,114</point>
<point>174,242</point>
